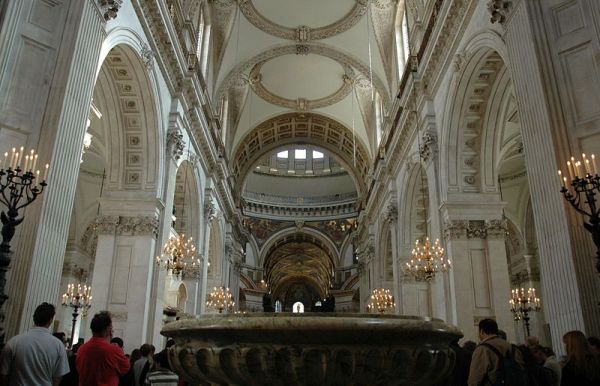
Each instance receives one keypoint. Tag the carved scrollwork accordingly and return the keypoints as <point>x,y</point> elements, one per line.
<point>475,229</point>
<point>428,146</point>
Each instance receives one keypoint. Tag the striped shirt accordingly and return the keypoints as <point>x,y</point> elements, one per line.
<point>162,378</point>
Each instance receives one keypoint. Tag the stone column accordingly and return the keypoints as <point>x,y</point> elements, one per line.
<point>58,133</point>
<point>570,286</point>
<point>175,146</point>
<point>124,269</point>
<point>209,215</point>
<point>391,216</point>
<point>439,287</point>
<point>479,277</point>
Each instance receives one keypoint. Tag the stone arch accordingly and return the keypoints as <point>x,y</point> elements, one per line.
<point>310,232</point>
<point>215,251</point>
<point>479,84</point>
<point>187,201</point>
<point>309,128</point>
<point>298,258</point>
<point>414,205</point>
<point>126,97</point>
<point>182,297</point>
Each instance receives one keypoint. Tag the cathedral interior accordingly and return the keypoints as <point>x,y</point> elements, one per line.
<point>288,154</point>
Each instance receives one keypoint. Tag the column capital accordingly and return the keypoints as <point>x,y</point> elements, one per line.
<point>499,9</point>
<point>109,8</point>
<point>122,225</point>
<point>429,146</point>
<point>175,143</point>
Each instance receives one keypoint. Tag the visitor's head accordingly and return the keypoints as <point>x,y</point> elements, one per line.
<point>146,350</point>
<point>532,341</point>
<point>487,328</point>
<point>161,361</point>
<point>118,341</point>
<point>43,315</point>
<point>135,355</point>
<point>539,353</point>
<point>62,337</point>
<point>101,325</point>
<point>577,346</point>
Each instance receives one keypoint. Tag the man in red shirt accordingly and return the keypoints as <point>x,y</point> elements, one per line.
<point>100,363</point>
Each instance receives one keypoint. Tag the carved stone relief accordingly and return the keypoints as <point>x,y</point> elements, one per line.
<point>499,10</point>
<point>475,229</point>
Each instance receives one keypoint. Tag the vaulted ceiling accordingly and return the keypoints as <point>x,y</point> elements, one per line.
<point>335,58</point>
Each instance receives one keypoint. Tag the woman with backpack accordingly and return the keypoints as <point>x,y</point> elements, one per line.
<point>582,367</point>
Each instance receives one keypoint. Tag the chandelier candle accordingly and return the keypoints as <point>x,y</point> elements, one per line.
<point>20,185</point>
<point>579,187</point>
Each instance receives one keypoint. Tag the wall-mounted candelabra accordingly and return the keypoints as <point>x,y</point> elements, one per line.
<point>522,303</point>
<point>580,185</point>
<point>20,185</point>
<point>78,297</point>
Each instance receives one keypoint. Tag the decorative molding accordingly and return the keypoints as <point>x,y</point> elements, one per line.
<point>110,8</point>
<point>137,226</point>
<point>391,212</point>
<point>147,56</point>
<point>345,60</point>
<point>210,211</point>
<point>301,103</point>
<point>429,146</point>
<point>475,229</point>
<point>175,143</point>
<point>500,10</point>
<point>304,33</point>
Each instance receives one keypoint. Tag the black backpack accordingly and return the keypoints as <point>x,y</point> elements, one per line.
<point>510,373</point>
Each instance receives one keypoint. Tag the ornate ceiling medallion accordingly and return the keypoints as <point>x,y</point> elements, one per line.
<point>303,33</point>
<point>302,104</point>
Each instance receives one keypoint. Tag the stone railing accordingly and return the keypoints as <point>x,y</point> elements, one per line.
<point>276,199</point>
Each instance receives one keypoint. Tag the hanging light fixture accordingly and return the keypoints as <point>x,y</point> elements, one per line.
<point>220,299</point>
<point>427,259</point>
<point>179,255</point>
<point>381,301</point>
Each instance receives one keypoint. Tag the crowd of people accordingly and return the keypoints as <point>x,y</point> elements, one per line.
<point>39,358</point>
<point>495,361</point>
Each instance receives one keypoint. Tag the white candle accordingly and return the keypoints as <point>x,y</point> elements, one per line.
<point>20,156</point>
<point>35,158</point>
<point>46,172</point>
<point>12,158</point>
<point>26,162</point>
<point>588,168</point>
<point>561,178</point>
<point>577,168</point>
<point>594,164</point>
<point>4,162</point>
